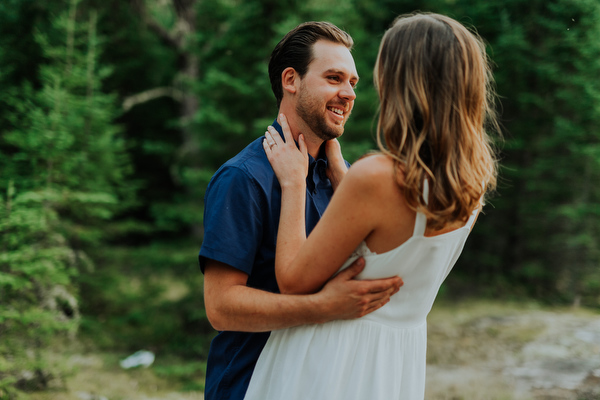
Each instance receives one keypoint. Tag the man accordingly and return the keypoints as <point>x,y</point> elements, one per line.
<point>313,76</point>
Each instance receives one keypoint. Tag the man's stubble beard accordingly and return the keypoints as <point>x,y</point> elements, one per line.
<point>309,110</point>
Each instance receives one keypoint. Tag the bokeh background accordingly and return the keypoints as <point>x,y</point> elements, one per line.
<point>115,114</point>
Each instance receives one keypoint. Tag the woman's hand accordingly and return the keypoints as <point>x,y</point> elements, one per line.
<point>289,162</point>
<point>336,166</point>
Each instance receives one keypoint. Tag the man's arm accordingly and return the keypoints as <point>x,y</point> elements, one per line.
<point>233,306</point>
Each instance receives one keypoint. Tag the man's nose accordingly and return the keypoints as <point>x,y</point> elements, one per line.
<point>347,92</point>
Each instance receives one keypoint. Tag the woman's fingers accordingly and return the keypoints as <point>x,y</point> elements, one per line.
<point>273,137</point>
<point>284,155</point>
<point>302,146</point>
<point>266,145</point>
<point>269,139</point>
<point>287,133</point>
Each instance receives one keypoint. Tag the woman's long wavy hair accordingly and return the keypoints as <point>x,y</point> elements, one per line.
<point>434,83</point>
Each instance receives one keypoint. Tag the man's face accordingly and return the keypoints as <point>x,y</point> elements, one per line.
<point>326,93</point>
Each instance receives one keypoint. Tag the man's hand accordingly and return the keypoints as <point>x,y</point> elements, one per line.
<point>343,297</point>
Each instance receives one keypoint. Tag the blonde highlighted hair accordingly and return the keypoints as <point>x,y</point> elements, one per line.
<point>434,83</point>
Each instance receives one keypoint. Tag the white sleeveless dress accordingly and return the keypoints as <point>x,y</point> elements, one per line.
<point>380,356</point>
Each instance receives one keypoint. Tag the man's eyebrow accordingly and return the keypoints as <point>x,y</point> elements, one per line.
<point>340,72</point>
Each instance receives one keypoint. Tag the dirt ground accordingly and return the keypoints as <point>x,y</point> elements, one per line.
<point>98,376</point>
<point>476,351</point>
<point>491,351</point>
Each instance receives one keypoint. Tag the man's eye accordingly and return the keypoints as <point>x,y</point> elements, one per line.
<point>335,78</point>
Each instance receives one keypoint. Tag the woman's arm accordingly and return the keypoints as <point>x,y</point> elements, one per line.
<point>291,168</point>
<point>303,266</point>
<point>350,217</point>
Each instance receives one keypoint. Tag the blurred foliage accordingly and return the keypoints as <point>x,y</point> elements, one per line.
<point>114,115</point>
<point>540,235</point>
<point>37,297</point>
<point>64,167</point>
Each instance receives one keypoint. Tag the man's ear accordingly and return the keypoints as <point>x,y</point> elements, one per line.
<point>289,80</point>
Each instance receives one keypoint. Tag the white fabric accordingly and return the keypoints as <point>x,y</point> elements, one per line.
<point>378,357</point>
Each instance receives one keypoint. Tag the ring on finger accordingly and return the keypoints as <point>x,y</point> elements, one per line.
<point>269,139</point>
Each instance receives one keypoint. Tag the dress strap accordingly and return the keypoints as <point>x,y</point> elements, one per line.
<point>421,220</point>
<point>473,216</point>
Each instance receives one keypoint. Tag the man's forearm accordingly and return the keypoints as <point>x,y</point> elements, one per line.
<point>245,309</point>
<point>233,306</point>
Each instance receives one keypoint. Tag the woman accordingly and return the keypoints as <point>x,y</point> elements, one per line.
<point>407,210</point>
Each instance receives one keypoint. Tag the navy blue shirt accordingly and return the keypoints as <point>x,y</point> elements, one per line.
<point>241,217</point>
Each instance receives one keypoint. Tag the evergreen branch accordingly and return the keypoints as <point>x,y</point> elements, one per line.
<point>152,94</point>
<point>172,39</point>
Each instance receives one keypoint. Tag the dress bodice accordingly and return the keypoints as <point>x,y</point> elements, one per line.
<point>422,262</point>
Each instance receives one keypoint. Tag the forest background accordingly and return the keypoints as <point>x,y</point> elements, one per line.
<point>115,114</point>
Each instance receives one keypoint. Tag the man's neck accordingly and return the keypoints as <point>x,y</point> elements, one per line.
<point>298,126</point>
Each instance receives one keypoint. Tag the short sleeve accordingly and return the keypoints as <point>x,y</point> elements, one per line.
<point>232,220</point>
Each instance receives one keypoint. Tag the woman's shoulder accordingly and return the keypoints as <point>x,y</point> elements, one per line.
<point>374,177</point>
<point>375,168</point>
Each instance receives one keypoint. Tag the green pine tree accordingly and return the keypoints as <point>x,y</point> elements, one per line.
<point>542,232</point>
<point>64,169</point>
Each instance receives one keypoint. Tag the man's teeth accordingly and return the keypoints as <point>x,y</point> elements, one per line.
<point>337,111</point>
